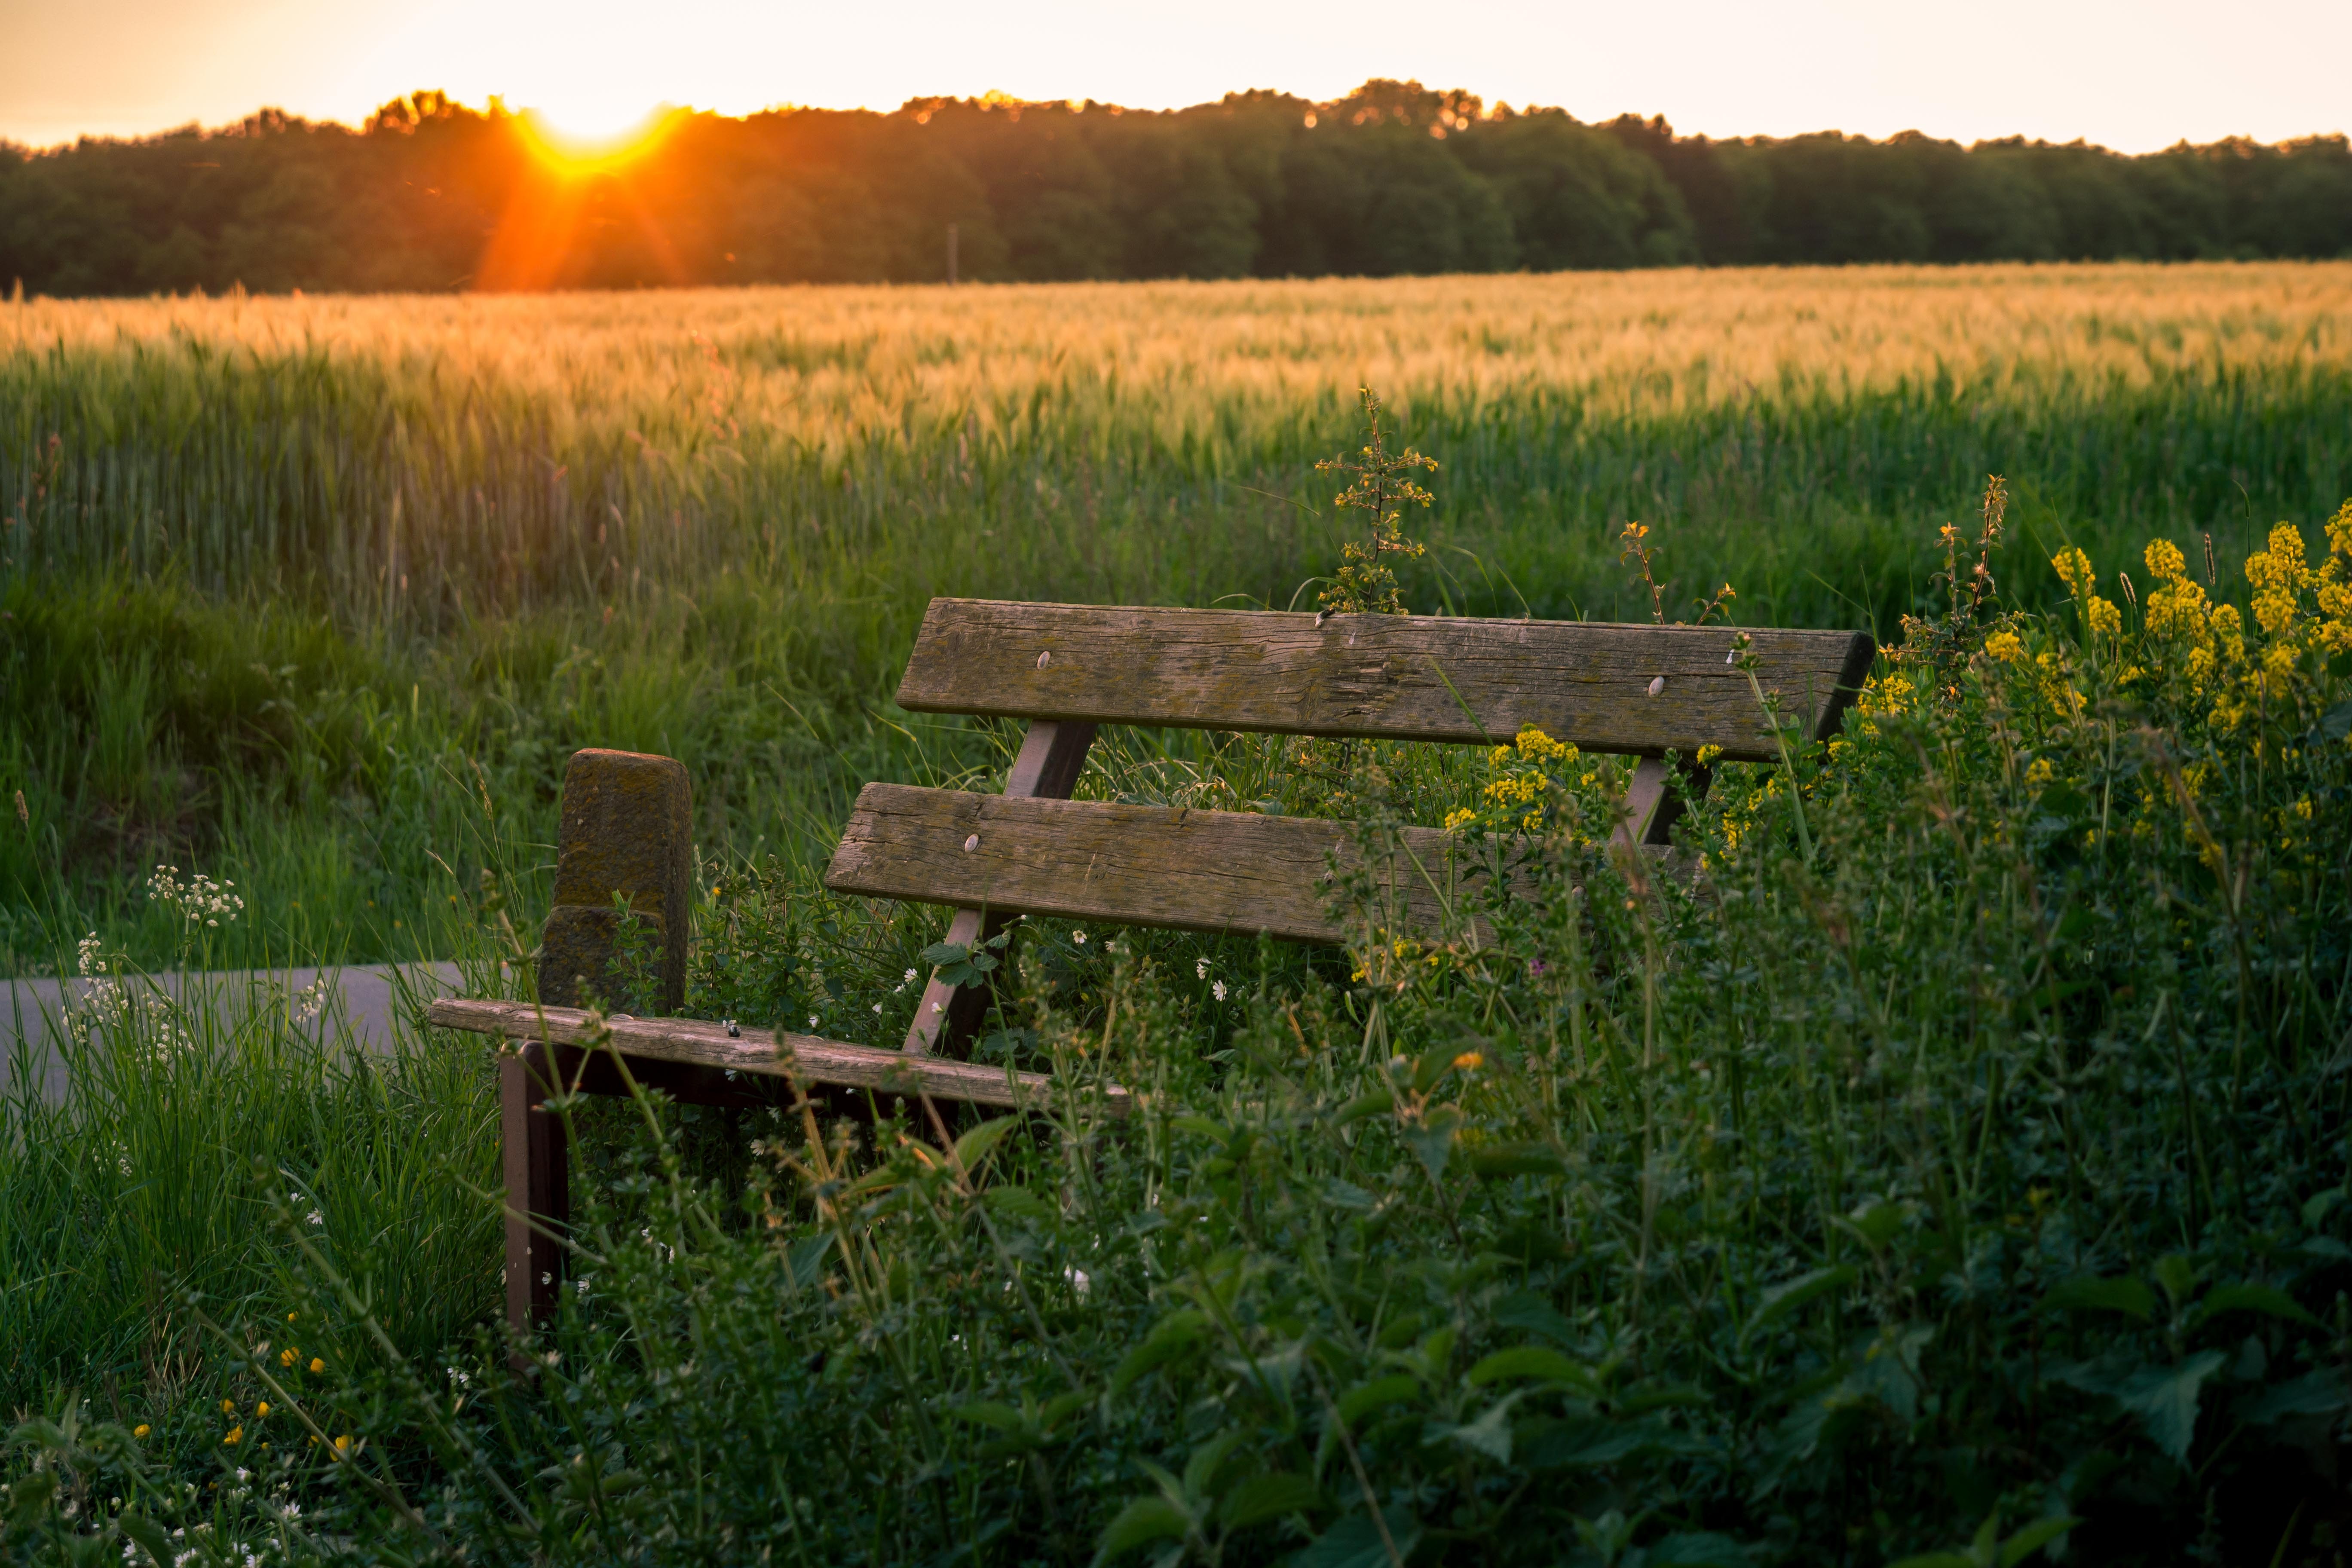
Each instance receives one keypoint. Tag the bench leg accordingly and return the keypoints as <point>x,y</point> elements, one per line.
<point>537,1178</point>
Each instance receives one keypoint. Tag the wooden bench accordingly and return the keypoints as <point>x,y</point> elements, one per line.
<point>1638,690</point>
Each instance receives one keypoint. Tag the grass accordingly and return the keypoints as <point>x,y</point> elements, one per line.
<point>322,559</point>
<point>1973,1157</point>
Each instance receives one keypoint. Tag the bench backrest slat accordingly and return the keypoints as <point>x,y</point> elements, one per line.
<point>1132,865</point>
<point>1629,690</point>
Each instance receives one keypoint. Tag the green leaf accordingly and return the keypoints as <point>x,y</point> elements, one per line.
<point>941,953</point>
<point>2166,1398</point>
<point>2314,1394</point>
<point>2336,723</point>
<point>2086,1293</point>
<point>1355,1541</point>
<point>974,1146</point>
<point>1526,1310</point>
<point>1529,1361</point>
<point>1876,1222</point>
<point>1432,1141</point>
<point>149,1535</point>
<point>2316,1207</point>
<point>1379,1102</point>
<point>1491,1434</point>
<point>1201,1127</point>
<point>804,1259</point>
<point>1168,1339</point>
<point>2251,1298</point>
<point>1262,1498</point>
<point>1020,1203</point>
<point>2178,1276</point>
<point>2034,1538</point>
<point>1201,1470</point>
<point>1366,1397</point>
<point>1495,1161</point>
<point>1144,1518</point>
<point>1784,1298</point>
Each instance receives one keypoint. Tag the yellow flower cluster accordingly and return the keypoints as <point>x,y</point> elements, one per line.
<point>2074,569</point>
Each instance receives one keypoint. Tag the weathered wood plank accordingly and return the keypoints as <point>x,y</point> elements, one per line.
<point>1138,865</point>
<point>948,1017</point>
<point>1639,689</point>
<point>776,1054</point>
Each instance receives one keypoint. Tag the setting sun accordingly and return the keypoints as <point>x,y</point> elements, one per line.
<point>593,136</point>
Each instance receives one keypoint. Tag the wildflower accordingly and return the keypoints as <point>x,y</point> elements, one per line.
<point>2039,772</point>
<point>140,1430</point>
<point>2104,617</point>
<point>1200,968</point>
<point>1708,755</point>
<point>1469,1061</point>
<point>1079,937</point>
<point>812,1020</point>
<point>1218,990</point>
<point>228,1406</point>
<point>317,1218</point>
<point>318,1364</point>
<point>286,1356</point>
<point>236,1436</point>
<point>1457,819</point>
<point>2007,646</point>
<point>261,1409</point>
<point>344,1443</point>
<point>910,974</point>
<point>877,1009</point>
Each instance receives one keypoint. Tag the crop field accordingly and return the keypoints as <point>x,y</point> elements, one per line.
<point>1958,1153</point>
<point>342,540</point>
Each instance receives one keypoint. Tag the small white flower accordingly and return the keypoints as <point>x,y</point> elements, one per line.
<point>1200,968</point>
<point>812,1020</point>
<point>1079,1281</point>
<point>317,1218</point>
<point>1079,937</point>
<point>877,1009</point>
<point>292,1511</point>
<point>910,974</point>
<point>1218,990</point>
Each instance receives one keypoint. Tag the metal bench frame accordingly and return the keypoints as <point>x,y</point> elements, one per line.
<point>1639,690</point>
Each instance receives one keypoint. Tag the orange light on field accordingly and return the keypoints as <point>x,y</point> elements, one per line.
<point>595,139</point>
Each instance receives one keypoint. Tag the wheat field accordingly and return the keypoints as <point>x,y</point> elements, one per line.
<point>706,522</point>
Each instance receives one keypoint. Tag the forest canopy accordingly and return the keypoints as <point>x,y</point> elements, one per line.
<point>1396,178</point>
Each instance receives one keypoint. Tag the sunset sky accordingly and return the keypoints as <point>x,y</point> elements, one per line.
<point>2134,77</point>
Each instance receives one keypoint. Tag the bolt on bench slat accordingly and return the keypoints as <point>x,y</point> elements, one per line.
<point>1129,865</point>
<point>1406,678</point>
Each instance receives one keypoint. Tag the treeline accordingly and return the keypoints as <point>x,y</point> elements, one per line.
<point>1393,179</point>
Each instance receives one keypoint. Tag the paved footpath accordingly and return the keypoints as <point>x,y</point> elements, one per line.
<point>360,1003</point>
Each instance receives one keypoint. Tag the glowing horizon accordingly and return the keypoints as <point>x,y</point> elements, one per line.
<point>2133,77</point>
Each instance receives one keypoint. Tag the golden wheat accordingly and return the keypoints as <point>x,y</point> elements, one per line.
<point>818,365</point>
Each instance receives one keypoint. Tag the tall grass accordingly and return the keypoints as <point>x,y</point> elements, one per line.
<point>295,568</point>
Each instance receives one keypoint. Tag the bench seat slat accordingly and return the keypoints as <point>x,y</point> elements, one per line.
<point>1384,677</point>
<point>762,1051</point>
<point>1132,865</point>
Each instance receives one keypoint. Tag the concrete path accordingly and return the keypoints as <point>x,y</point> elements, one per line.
<point>356,1005</point>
